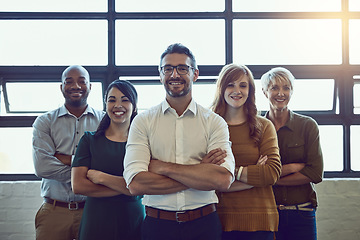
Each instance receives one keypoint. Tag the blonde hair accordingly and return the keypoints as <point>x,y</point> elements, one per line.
<point>278,74</point>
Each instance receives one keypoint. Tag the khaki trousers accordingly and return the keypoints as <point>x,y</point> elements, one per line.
<point>57,223</point>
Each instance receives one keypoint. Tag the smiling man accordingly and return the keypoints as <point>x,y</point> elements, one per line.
<point>55,138</point>
<point>178,153</point>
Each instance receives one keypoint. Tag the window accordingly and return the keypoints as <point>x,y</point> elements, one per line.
<point>32,97</point>
<point>131,50</point>
<point>318,41</point>
<point>55,42</point>
<point>290,41</point>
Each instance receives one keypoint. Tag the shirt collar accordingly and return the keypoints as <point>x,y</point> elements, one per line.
<point>191,107</point>
<point>63,111</point>
<point>290,124</point>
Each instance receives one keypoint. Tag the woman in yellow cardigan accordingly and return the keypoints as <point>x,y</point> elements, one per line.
<point>248,209</point>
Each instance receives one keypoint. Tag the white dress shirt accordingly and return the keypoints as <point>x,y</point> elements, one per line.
<point>159,133</point>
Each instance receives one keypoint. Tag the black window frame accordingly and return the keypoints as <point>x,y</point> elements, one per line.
<point>342,73</point>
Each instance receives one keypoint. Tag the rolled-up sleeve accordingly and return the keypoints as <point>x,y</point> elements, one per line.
<point>220,138</point>
<point>314,165</point>
<point>137,156</point>
<point>45,163</point>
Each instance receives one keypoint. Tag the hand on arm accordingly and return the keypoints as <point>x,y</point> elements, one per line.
<point>291,176</point>
<point>293,180</point>
<point>154,184</point>
<point>291,168</point>
<point>205,176</point>
<point>243,177</point>
<point>116,183</point>
<point>151,183</point>
<point>82,185</point>
<point>216,156</point>
<point>65,159</point>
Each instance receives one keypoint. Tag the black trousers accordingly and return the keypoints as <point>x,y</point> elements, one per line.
<point>204,228</point>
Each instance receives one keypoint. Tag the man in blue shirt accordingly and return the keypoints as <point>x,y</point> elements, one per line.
<point>55,138</point>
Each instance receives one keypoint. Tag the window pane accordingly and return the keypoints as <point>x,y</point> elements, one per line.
<point>354,5</point>
<point>321,89</point>
<point>356,94</point>
<point>291,42</point>
<point>204,93</point>
<point>42,97</point>
<point>286,5</point>
<point>60,42</point>
<point>354,147</point>
<point>53,6</point>
<point>134,48</point>
<point>149,95</point>
<point>331,140</point>
<point>354,41</point>
<point>16,150</point>
<point>166,6</point>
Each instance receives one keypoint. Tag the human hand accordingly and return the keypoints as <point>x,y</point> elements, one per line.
<point>215,156</point>
<point>95,176</point>
<point>65,159</point>
<point>291,168</point>
<point>157,166</point>
<point>262,160</point>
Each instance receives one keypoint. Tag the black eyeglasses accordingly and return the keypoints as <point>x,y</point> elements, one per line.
<point>181,69</point>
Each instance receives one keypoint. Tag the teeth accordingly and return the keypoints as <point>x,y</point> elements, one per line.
<point>118,113</point>
<point>175,83</point>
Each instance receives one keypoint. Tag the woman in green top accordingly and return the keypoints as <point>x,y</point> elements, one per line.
<point>301,158</point>
<point>110,211</point>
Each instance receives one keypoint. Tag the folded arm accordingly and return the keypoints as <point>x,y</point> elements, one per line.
<point>47,163</point>
<point>291,175</point>
<point>82,185</point>
<point>203,177</point>
<point>114,182</point>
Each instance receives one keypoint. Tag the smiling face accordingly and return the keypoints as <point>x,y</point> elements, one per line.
<point>237,92</point>
<point>118,107</point>
<point>279,94</point>
<point>75,86</point>
<point>177,85</point>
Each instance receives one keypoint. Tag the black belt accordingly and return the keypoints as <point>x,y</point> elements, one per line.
<point>180,216</point>
<point>69,205</point>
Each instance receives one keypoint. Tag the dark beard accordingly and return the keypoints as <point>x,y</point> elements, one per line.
<point>79,103</point>
<point>184,92</point>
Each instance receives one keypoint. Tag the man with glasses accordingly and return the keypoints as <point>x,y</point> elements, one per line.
<point>55,138</point>
<point>178,153</point>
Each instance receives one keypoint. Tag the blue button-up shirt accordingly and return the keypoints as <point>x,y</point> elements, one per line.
<point>59,131</point>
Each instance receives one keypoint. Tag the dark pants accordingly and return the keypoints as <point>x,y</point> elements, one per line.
<point>297,225</point>
<point>204,228</point>
<point>240,235</point>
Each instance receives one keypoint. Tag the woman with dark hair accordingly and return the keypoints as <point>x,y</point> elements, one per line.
<point>248,209</point>
<point>110,211</point>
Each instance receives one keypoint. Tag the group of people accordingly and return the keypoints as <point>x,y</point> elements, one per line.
<point>178,170</point>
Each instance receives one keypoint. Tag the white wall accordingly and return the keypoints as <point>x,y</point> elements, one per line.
<point>338,215</point>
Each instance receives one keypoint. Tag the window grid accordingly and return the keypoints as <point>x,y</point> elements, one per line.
<point>342,73</point>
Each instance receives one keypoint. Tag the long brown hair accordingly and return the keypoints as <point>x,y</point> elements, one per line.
<point>230,73</point>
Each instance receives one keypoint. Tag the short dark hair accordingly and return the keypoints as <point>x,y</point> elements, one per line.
<point>128,89</point>
<point>179,48</point>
